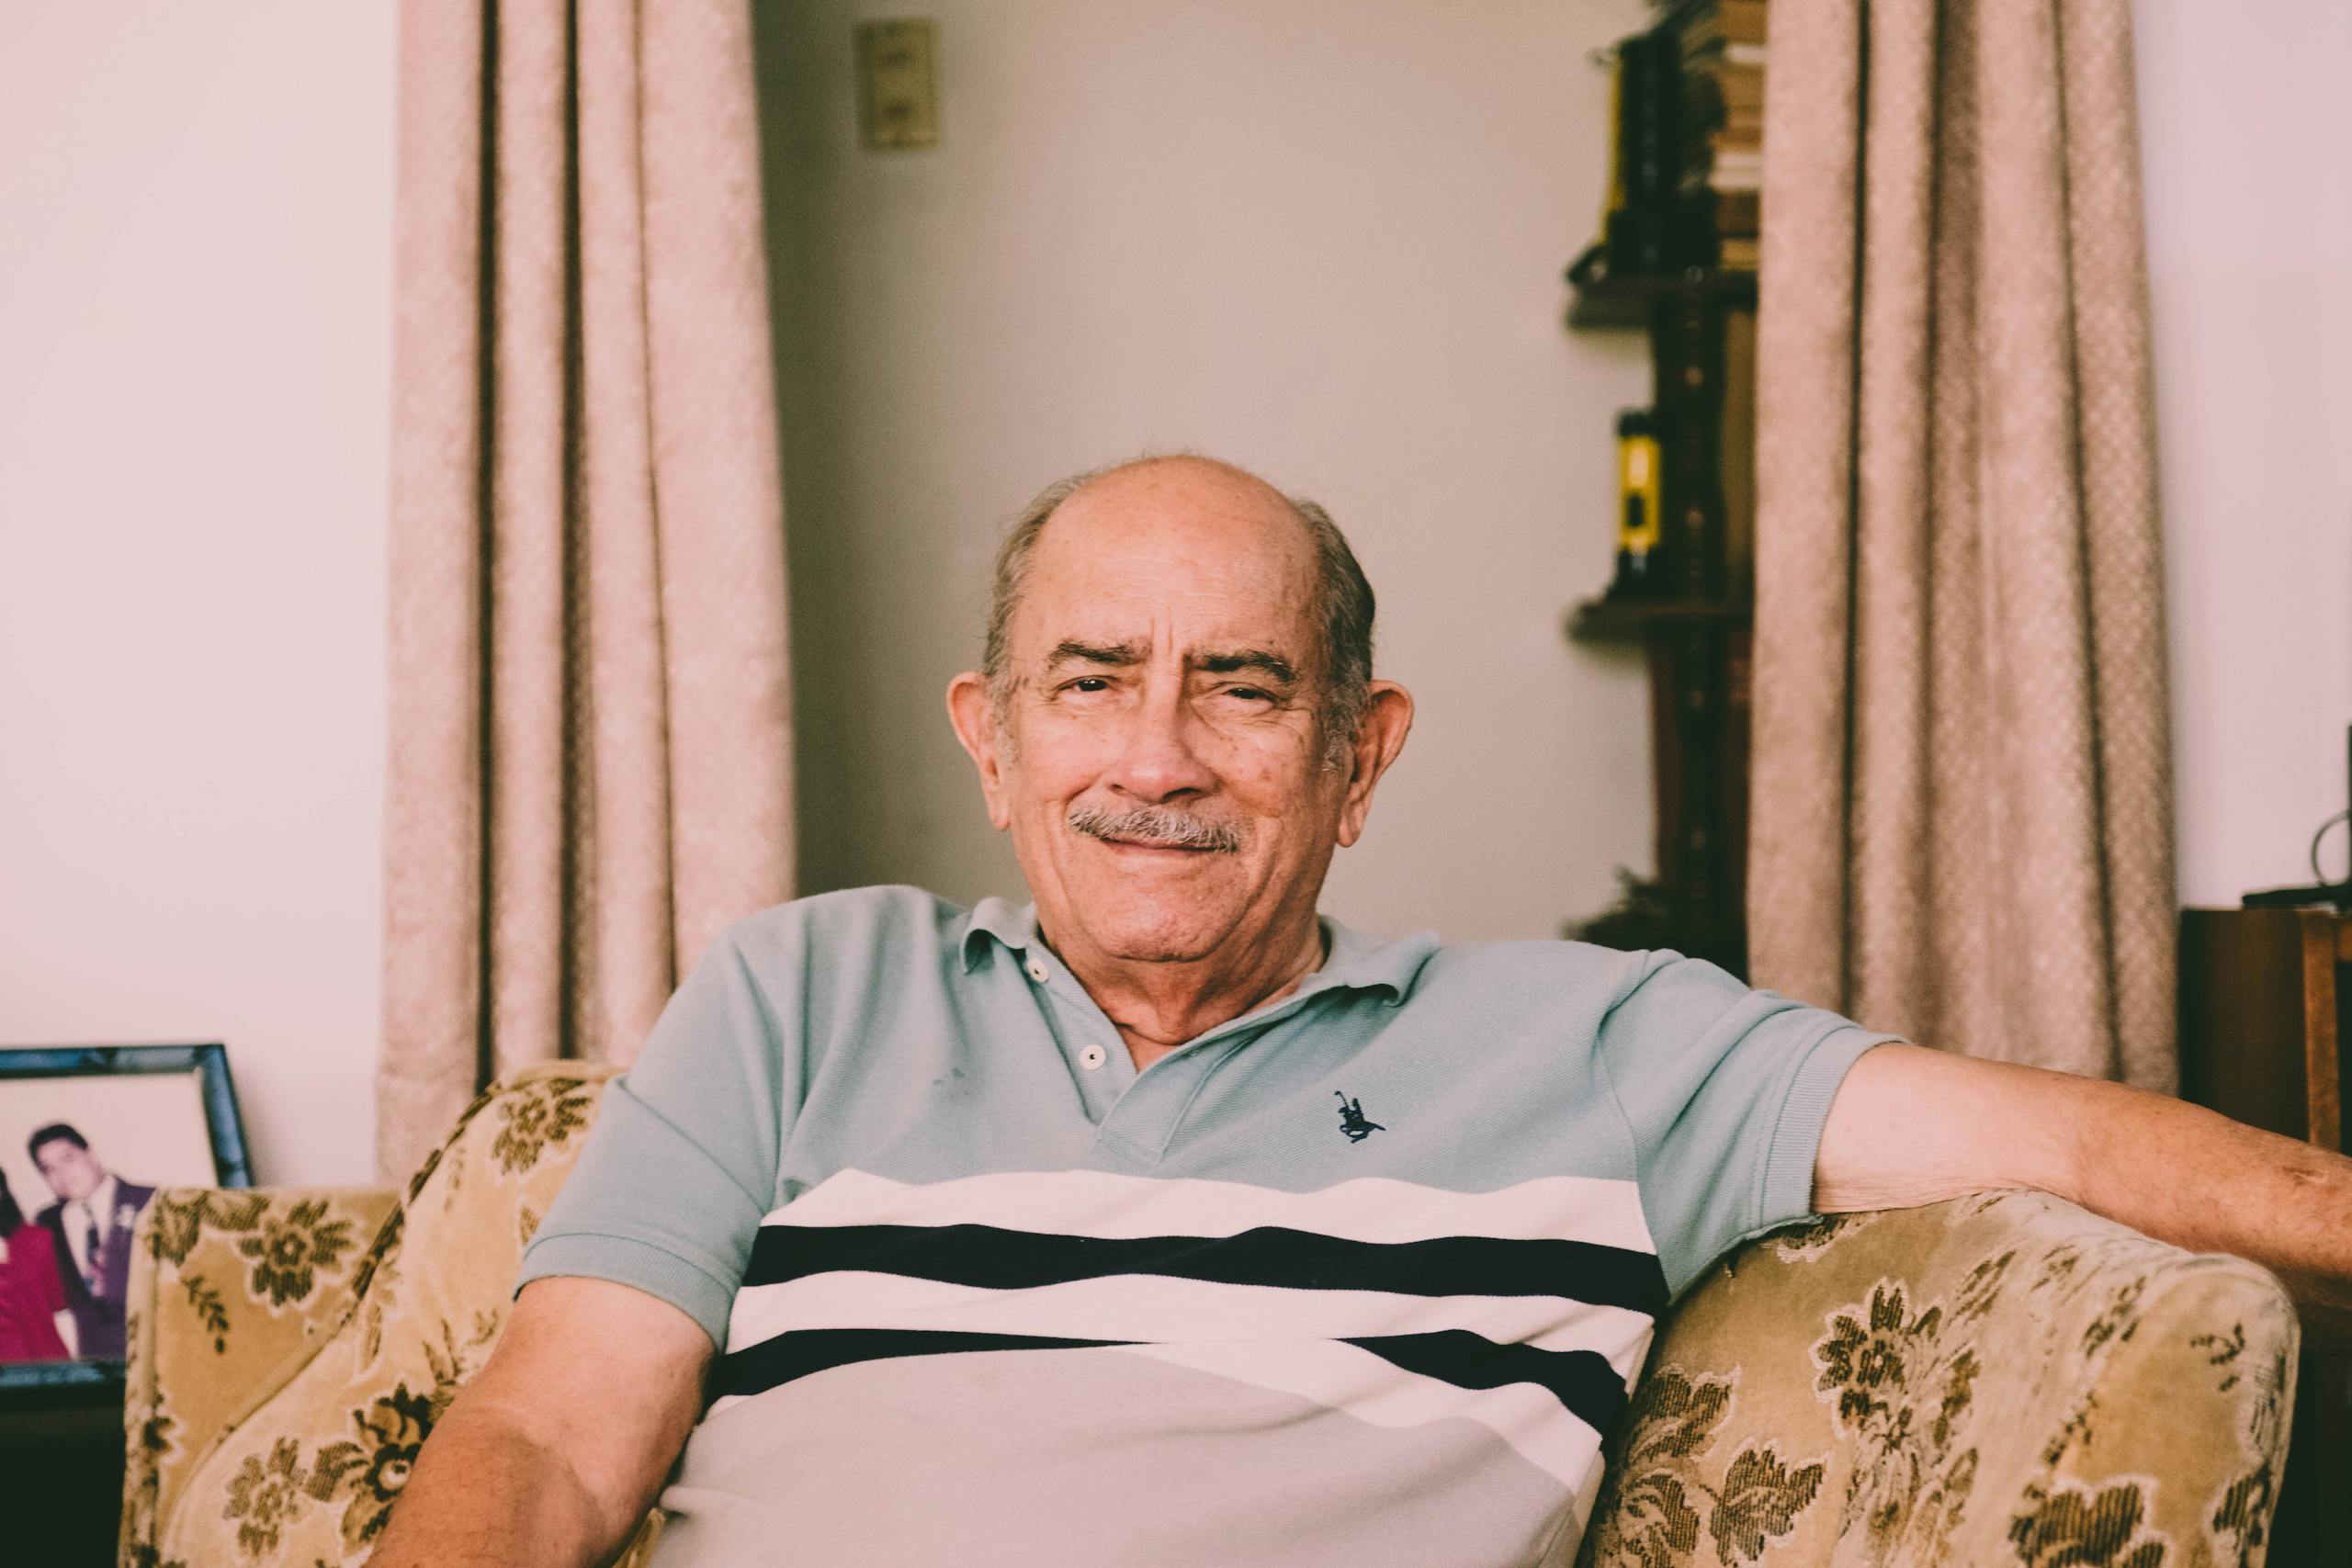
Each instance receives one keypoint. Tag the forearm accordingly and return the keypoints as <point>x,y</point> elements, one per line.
<point>2198,1179</point>
<point>1910,1125</point>
<point>486,1494</point>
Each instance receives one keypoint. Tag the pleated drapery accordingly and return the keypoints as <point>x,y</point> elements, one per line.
<point>590,746</point>
<point>1962,821</point>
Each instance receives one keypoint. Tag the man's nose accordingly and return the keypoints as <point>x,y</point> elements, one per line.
<point>1160,759</point>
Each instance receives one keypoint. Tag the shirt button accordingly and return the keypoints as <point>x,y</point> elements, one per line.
<point>1091,1056</point>
<point>1037,973</point>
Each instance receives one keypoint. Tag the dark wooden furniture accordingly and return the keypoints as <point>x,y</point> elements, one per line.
<point>1665,264</point>
<point>2265,1009</point>
<point>60,1472</point>
<point>1695,627</point>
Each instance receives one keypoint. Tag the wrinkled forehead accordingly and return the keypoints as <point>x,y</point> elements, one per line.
<point>1190,564</point>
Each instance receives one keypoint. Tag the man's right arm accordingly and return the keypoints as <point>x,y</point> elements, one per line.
<point>554,1451</point>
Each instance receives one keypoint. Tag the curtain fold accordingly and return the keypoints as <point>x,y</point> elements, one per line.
<point>591,747</point>
<point>1961,826</point>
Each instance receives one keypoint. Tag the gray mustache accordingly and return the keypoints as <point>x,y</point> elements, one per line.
<point>1158,825</point>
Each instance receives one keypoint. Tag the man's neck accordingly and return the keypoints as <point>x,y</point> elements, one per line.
<point>1157,1007</point>
<point>100,1199</point>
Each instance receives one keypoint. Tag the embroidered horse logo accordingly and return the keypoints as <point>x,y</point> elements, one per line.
<point>1352,1119</point>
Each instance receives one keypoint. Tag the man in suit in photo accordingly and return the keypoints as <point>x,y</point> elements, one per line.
<point>92,1221</point>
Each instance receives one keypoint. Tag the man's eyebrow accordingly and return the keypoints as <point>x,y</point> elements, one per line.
<point>1126,655</point>
<point>1117,655</point>
<point>1272,665</point>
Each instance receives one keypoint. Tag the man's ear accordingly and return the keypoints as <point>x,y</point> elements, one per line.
<point>973,712</point>
<point>1380,736</point>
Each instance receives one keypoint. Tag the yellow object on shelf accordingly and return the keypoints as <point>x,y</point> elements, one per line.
<point>1637,501</point>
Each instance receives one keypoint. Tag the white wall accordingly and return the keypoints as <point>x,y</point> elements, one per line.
<point>2246,124</point>
<point>1322,238</point>
<point>194,320</point>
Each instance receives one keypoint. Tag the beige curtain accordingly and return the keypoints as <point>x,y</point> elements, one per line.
<point>590,766</point>
<point>1962,819</point>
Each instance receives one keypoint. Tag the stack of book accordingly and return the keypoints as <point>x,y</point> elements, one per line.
<point>1722,114</point>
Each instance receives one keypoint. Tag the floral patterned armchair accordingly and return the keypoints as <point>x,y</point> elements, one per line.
<point>290,1348</point>
<point>2000,1379</point>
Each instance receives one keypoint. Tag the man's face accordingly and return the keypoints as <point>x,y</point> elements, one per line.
<point>71,1172</point>
<point>1169,683</point>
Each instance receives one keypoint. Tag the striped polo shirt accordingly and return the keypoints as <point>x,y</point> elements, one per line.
<point>1363,1276</point>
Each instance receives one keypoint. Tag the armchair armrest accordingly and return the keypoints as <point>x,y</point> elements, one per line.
<point>345,1349</point>
<point>229,1292</point>
<point>2002,1378</point>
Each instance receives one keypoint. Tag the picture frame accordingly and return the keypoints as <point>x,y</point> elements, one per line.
<point>88,1135</point>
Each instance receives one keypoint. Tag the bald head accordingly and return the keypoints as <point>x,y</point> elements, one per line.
<point>1216,498</point>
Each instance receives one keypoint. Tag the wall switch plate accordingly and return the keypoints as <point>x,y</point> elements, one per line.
<point>897,90</point>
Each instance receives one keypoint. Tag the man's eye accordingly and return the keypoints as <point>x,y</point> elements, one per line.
<point>1089,683</point>
<point>1249,694</point>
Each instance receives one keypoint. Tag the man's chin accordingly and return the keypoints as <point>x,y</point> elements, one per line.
<point>1149,906</point>
<point>1155,936</point>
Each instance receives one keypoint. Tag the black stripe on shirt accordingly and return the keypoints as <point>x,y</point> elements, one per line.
<point>1582,1381</point>
<point>996,1258</point>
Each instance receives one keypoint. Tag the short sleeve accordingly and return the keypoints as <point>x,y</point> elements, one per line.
<point>1724,1091</point>
<point>682,1165</point>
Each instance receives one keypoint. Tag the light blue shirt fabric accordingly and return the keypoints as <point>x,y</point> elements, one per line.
<point>892,1157</point>
<point>886,1025</point>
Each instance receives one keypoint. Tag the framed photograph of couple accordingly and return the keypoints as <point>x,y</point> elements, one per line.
<point>87,1133</point>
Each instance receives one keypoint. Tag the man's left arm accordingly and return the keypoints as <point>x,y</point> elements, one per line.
<point>1911,1126</point>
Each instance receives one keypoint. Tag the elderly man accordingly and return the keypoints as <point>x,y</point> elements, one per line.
<point>1164,1222</point>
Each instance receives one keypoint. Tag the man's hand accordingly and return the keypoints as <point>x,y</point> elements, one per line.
<point>552,1454</point>
<point>1913,1126</point>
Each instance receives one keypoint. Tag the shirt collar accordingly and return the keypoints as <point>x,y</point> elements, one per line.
<point>1356,959</point>
<point>100,1204</point>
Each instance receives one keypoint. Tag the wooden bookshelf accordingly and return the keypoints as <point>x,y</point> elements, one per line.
<point>1652,269</point>
<point>1634,620</point>
<point>1696,631</point>
<point>1606,304</point>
